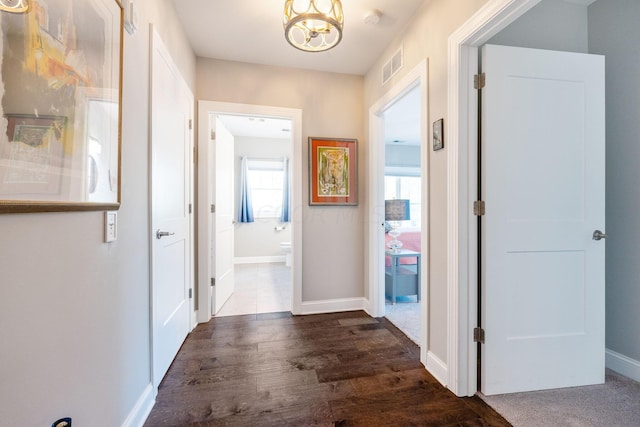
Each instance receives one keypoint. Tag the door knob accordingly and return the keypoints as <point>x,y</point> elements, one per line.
<point>161,234</point>
<point>599,235</point>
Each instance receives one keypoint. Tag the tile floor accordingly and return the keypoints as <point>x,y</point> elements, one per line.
<point>259,288</point>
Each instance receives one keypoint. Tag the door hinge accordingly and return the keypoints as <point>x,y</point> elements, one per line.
<point>213,208</point>
<point>478,208</point>
<point>479,81</point>
<point>190,208</point>
<point>213,281</point>
<point>190,124</point>
<point>478,335</point>
<point>190,293</point>
<point>213,135</point>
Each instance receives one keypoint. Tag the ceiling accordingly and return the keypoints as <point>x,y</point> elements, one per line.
<point>252,31</point>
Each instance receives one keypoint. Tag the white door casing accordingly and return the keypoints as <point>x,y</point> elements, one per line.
<point>171,255</point>
<point>543,157</point>
<point>206,174</point>
<point>223,220</point>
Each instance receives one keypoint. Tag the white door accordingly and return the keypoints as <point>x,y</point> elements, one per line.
<point>543,175</point>
<point>224,223</point>
<point>171,106</point>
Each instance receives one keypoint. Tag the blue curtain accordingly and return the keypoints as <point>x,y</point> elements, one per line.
<point>286,199</point>
<point>245,210</point>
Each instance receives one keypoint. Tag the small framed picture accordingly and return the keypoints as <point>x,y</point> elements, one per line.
<point>438,135</point>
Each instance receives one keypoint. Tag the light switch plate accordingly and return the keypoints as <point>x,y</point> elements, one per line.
<point>110,226</point>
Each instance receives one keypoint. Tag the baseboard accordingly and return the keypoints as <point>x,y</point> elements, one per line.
<point>259,259</point>
<point>437,368</point>
<point>622,364</point>
<point>142,408</point>
<point>333,306</point>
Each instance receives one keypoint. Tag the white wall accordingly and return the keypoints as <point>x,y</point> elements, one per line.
<point>426,37</point>
<point>402,155</point>
<point>331,104</point>
<point>259,238</point>
<point>74,311</point>
<point>614,32</point>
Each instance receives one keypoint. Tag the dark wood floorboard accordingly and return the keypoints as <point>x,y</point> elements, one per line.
<point>338,369</point>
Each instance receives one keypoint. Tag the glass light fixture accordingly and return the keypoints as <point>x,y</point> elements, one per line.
<point>313,25</point>
<point>14,6</point>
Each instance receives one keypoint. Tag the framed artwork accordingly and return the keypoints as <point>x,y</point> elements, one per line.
<point>333,171</point>
<point>438,135</point>
<point>61,107</point>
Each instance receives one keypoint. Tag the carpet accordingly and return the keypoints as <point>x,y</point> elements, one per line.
<point>615,403</point>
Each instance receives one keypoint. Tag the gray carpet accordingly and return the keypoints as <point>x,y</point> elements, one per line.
<point>405,315</point>
<point>615,403</point>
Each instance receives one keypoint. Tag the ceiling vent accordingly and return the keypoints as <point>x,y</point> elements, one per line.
<point>391,67</point>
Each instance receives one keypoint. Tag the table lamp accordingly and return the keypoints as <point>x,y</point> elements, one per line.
<point>396,210</point>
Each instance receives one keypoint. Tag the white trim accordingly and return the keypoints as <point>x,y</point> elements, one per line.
<point>259,259</point>
<point>142,408</point>
<point>417,77</point>
<point>462,182</point>
<point>205,108</point>
<point>622,364</point>
<point>333,306</point>
<point>437,368</point>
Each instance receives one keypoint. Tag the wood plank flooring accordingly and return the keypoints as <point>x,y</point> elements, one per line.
<point>339,369</point>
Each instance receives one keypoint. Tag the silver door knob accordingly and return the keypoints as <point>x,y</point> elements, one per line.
<point>161,234</point>
<point>599,235</point>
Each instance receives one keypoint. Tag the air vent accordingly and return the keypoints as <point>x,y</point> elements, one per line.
<point>391,67</point>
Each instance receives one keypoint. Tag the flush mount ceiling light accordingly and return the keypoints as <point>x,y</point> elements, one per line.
<point>313,25</point>
<point>14,6</point>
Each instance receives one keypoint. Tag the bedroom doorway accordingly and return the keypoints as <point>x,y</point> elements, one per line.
<point>398,164</point>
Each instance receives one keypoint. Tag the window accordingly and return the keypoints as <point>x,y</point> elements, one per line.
<point>266,181</point>
<point>405,187</point>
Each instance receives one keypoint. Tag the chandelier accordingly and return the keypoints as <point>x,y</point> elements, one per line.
<point>313,25</point>
<point>14,6</point>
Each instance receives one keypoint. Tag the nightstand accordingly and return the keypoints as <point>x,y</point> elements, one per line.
<point>402,279</point>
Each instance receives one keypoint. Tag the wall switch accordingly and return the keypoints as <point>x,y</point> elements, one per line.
<point>110,226</point>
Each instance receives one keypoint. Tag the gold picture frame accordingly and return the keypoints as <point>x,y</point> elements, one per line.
<point>61,109</point>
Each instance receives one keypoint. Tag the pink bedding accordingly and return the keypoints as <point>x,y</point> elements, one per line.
<point>410,240</point>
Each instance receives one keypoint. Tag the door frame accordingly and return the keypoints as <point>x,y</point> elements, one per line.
<point>462,182</point>
<point>204,192</point>
<point>416,78</point>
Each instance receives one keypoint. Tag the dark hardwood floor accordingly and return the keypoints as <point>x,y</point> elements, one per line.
<point>342,369</point>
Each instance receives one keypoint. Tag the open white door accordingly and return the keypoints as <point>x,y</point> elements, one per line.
<point>171,107</point>
<point>224,223</point>
<point>543,176</point>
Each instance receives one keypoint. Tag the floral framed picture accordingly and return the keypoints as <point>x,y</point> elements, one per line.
<point>60,110</point>
<point>333,171</point>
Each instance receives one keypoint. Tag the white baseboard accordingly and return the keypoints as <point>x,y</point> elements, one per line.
<point>622,364</point>
<point>437,368</point>
<point>333,306</point>
<point>142,408</point>
<point>259,259</point>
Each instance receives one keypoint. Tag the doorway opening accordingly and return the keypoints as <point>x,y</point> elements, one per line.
<point>216,126</point>
<point>398,171</point>
<point>262,227</point>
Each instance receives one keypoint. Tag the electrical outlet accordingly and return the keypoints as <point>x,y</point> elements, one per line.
<point>62,422</point>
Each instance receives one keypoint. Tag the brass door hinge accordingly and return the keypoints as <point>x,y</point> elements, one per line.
<point>478,208</point>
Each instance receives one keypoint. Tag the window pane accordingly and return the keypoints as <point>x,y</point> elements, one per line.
<point>266,183</point>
